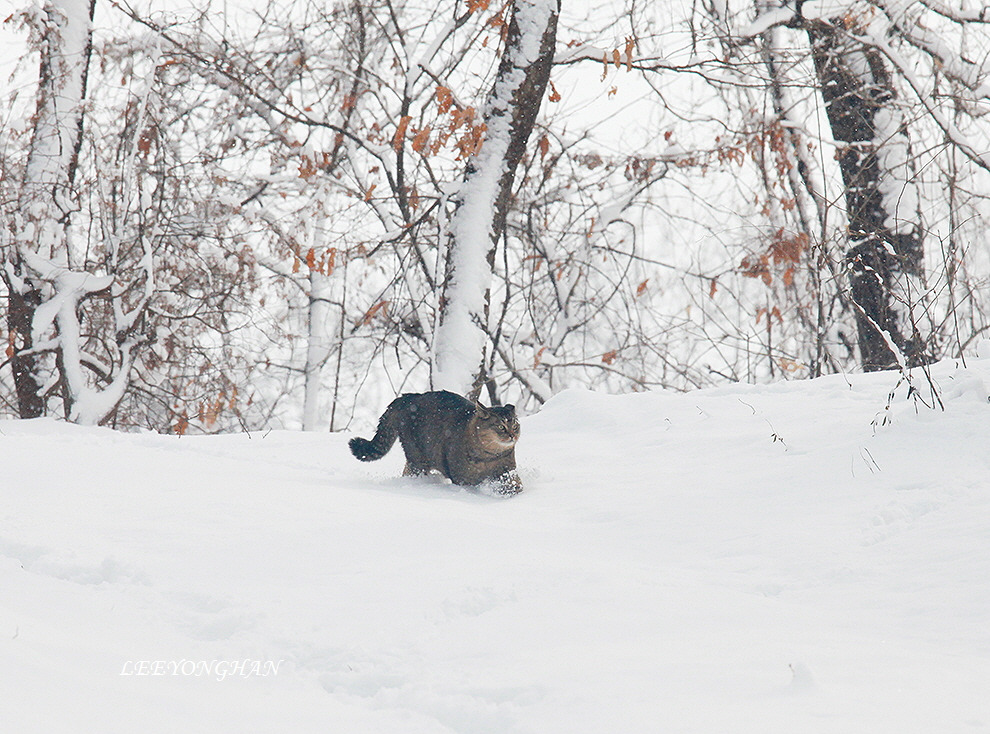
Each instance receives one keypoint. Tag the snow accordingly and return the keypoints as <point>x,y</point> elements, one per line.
<point>971,149</point>
<point>795,557</point>
<point>767,20</point>
<point>900,197</point>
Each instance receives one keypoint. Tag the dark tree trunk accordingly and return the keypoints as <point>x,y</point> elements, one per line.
<point>882,259</point>
<point>21,305</point>
<point>523,109</point>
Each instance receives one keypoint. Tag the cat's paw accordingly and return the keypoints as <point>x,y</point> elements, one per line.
<point>504,485</point>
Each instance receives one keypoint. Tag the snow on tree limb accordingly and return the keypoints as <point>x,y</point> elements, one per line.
<point>960,14</point>
<point>46,191</point>
<point>952,132</point>
<point>483,198</point>
<point>968,73</point>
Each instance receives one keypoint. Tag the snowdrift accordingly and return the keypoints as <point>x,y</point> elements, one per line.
<point>801,557</point>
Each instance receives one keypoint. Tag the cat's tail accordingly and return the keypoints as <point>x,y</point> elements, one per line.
<point>378,446</point>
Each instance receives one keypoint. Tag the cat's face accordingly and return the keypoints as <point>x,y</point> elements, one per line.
<point>498,428</point>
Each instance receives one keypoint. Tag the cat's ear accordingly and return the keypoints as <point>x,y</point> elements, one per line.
<point>509,409</point>
<point>480,410</point>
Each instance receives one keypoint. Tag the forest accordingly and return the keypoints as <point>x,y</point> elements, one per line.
<point>281,216</point>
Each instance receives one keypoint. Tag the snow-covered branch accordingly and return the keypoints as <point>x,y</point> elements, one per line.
<point>483,201</point>
<point>951,130</point>
<point>960,14</point>
<point>970,74</point>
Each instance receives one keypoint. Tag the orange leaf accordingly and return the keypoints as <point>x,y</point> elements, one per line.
<point>630,47</point>
<point>641,288</point>
<point>554,94</point>
<point>789,365</point>
<point>369,192</point>
<point>714,287</point>
<point>311,259</point>
<point>609,357</point>
<point>461,117</point>
<point>380,307</point>
<point>538,357</point>
<point>307,168</point>
<point>208,413</point>
<point>544,146</point>
<point>444,99</point>
<point>470,142</point>
<point>616,58</point>
<point>421,139</point>
<point>400,132</point>
<point>182,424</point>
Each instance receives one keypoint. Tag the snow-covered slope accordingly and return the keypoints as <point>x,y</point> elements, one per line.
<point>748,559</point>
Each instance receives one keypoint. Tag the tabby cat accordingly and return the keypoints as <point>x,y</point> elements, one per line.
<point>439,431</point>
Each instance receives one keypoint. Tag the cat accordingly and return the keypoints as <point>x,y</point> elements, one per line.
<point>440,431</point>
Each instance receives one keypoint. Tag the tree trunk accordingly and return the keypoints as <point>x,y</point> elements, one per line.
<point>21,304</point>
<point>47,198</point>
<point>485,196</point>
<point>885,252</point>
<point>319,326</point>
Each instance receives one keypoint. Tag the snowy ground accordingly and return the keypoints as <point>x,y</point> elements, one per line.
<point>747,559</point>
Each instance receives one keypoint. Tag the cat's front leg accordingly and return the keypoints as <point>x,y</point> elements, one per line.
<point>414,471</point>
<point>505,484</point>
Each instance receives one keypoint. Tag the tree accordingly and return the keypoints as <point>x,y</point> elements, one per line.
<point>138,281</point>
<point>46,295</point>
<point>297,216</point>
<point>885,256</point>
<point>484,199</point>
<point>868,61</point>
